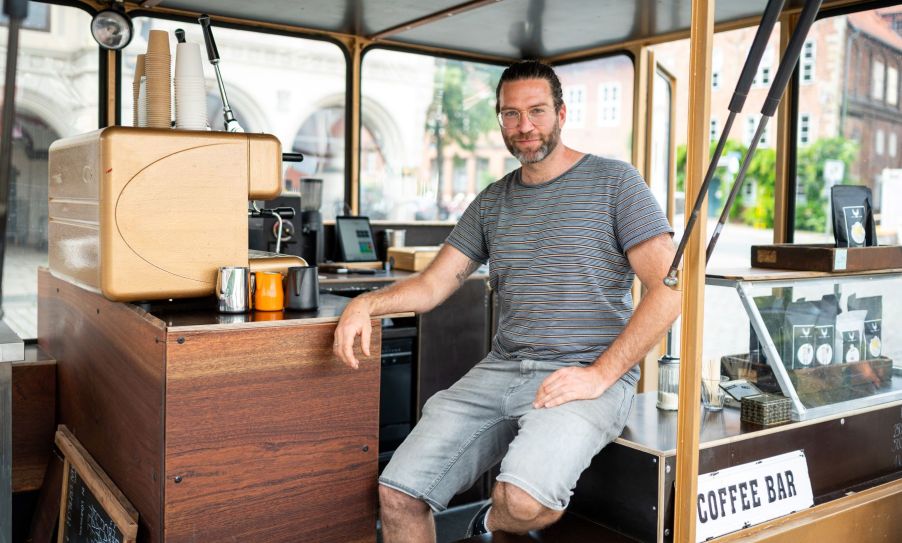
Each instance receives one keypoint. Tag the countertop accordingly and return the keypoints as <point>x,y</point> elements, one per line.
<point>655,431</point>
<point>201,312</point>
<point>206,315</point>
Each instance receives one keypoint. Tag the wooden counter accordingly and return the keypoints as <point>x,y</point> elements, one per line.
<point>33,414</point>
<point>215,428</point>
<point>630,485</point>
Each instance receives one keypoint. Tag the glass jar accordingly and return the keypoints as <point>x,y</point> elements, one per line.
<point>668,383</point>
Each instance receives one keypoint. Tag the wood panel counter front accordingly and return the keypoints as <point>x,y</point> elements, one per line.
<point>219,428</point>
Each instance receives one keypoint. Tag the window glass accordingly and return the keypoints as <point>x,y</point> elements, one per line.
<point>892,86</point>
<point>804,129</point>
<point>56,97</point>
<point>807,62</point>
<point>433,122</point>
<point>611,104</point>
<point>877,79</point>
<point>293,88</point>
<point>847,128</point>
<point>763,75</point>
<point>751,218</point>
<point>435,125</point>
<point>38,17</point>
<point>575,98</point>
<point>609,109</point>
<point>662,158</point>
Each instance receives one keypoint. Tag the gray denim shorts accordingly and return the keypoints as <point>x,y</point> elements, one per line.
<point>488,416</point>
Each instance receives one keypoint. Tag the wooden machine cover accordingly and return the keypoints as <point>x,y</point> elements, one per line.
<point>141,214</point>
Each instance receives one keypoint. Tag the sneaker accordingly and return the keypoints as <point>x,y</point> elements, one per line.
<point>477,525</point>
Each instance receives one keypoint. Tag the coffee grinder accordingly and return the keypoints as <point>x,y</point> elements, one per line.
<point>311,235</point>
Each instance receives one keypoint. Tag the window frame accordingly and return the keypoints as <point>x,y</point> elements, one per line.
<point>615,104</point>
<point>102,71</point>
<point>342,47</point>
<point>580,121</point>
<point>466,58</point>
<point>48,21</point>
<point>878,89</point>
<point>808,64</point>
<point>791,146</point>
<point>804,126</point>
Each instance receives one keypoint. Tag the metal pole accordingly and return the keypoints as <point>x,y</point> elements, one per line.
<point>16,11</point>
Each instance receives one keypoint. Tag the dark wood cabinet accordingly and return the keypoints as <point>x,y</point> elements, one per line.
<point>453,337</point>
<point>234,431</point>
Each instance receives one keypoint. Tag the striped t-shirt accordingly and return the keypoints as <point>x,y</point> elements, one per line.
<point>557,257</point>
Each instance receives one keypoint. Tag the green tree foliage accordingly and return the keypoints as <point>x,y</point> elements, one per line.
<point>462,109</point>
<point>812,203</point>
<point>760,173</point>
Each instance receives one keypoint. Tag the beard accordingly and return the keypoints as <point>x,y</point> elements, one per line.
<point>549,143</point>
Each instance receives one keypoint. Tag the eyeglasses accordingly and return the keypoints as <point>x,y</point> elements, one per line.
<point>539,116</point>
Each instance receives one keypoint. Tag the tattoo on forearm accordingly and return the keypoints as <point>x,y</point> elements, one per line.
<point>463,274</point>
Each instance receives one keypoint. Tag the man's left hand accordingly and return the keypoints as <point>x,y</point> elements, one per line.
<point>568,384</point>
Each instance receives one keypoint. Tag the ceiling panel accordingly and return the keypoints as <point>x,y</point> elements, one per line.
<point>547,28</point>
<point>506,28</point>
<point>360,17</point>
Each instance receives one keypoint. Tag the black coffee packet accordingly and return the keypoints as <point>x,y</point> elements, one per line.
<point>825,329</point>
<point>853,217</point>
<point>873,323</point>
<point>772,309</point>
<point>800,334</point>
<point>851,346</point>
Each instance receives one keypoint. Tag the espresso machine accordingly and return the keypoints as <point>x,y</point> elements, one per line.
<point>148,214</point>
<point>276,232</point>
<point>311,233</point>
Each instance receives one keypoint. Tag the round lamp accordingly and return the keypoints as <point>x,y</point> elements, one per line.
<point>112,29</point>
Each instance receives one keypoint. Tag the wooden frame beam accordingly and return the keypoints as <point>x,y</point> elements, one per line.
<point>693,277</point>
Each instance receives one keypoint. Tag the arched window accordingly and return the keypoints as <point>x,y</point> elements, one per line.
<point>321,139</point>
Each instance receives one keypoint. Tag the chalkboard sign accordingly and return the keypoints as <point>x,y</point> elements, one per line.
<point>92,509</point>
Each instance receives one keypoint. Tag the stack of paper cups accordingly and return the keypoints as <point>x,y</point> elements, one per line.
<point>141,110</point>
<point>157,69</point>
<point>136,88</point>
<point>190,91</point>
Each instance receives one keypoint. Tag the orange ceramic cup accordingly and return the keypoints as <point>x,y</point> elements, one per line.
<point>268,293</point>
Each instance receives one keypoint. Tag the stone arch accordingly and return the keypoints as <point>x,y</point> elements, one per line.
<point>247,111</point>
<point>50,112</point>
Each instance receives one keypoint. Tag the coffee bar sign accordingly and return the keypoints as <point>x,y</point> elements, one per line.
<point>735,498</point>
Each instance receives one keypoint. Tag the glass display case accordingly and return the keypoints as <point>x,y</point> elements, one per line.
<point>826,341</point>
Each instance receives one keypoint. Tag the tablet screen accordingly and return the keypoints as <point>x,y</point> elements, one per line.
<point>355,239</point>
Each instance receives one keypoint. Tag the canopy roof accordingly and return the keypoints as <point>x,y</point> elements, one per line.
<point>493,28</point>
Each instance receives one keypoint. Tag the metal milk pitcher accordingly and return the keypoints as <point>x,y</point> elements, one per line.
<point>234,289</point>
<point>302,288</point>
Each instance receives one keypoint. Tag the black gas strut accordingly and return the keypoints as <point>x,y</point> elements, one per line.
<point>759,44</point>
<point>787,64</point>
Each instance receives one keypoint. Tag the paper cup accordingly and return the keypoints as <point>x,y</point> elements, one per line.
<point>158,41</point>
<point>136,87</point>
<point>141,109</point>
<point>188,60</point>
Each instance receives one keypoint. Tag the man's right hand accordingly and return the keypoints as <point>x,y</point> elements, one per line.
<point>355,321</point>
